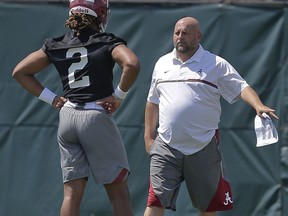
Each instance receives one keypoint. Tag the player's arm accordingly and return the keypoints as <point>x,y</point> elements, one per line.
<point>25,71</point>
<point>129,64</point>
<point>251,97</point>
<point>151,121</point>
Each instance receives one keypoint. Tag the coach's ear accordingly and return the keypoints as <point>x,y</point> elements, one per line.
<point>199,36</point>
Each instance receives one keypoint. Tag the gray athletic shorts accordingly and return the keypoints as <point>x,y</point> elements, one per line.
<point>89,141</point>
<point>203,173</point>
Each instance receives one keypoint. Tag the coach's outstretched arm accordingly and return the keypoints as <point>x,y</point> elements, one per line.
<point>251,97</point>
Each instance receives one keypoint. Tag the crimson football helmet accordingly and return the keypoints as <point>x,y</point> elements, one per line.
<point>96,8</point>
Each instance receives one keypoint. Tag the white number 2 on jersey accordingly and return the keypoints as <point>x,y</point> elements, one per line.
<point>85,81</point>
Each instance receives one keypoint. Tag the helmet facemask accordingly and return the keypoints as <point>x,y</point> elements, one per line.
<point>103,17</point>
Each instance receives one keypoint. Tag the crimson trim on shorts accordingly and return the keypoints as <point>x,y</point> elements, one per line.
<point>217,136</point>
<point>122,176</point>
<point>218,201</point>
<point>191,80</point>
<point>153,200</point>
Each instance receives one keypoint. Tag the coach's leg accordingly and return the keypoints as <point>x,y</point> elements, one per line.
<point>119,197</point>
<point>207,213</point>
<point>73,193</point>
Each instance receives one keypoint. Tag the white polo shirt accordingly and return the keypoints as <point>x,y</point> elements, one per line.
<point>188,95</point>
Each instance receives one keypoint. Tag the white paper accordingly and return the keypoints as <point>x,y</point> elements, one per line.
<point>265,130</point>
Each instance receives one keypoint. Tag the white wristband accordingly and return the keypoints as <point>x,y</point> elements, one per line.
<point>47,96</point>
<point>118,93</point>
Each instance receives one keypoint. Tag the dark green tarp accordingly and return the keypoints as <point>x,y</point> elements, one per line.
<point>253,39</point>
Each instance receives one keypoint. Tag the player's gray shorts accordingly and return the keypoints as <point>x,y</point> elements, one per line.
<point>89,140</point>
<point>202,172</point>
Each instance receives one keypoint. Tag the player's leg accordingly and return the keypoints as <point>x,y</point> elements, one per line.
<point>207,213</point>
<point>73,193</point>
<point>75,167</point>
<point>105,151</point>
<point>154,211</point>
<point>119,195</point>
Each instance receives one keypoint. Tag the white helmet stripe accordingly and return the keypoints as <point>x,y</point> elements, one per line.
<point>85,10</point>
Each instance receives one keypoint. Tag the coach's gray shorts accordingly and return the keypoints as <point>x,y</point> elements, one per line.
<point>89,140</point>
<point>203,173</point>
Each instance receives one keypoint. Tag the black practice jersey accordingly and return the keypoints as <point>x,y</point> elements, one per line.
<point>84,64</point>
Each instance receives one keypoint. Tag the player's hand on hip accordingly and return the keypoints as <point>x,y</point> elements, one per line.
<point>110,104</point>
<point>59,102</point>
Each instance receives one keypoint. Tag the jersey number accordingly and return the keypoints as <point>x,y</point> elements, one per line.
<point>84,81</point>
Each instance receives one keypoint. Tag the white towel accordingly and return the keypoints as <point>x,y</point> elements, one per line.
<point>265,130</point>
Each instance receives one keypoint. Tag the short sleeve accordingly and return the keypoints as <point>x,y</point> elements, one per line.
<point>46,47</point>
<point>230,82</point>
<point>153,95</point>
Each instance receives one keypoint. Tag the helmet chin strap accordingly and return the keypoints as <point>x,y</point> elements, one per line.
<point>104,26</point>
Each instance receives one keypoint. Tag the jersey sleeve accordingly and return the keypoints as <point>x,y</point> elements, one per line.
<point>110,40</point>
<point>230,82</point>
<point>45,48</point>
<point>49,45</point>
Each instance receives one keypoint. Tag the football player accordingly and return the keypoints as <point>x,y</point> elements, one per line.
<point>88,137</point>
